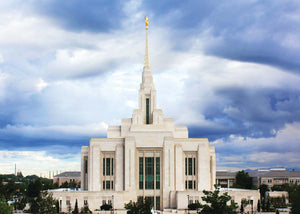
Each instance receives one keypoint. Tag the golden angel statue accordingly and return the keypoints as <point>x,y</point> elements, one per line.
<point>146,22</point>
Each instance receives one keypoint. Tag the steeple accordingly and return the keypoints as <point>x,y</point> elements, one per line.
<point>147,81</point>
<point>146,59</point>
<point>147,113</point>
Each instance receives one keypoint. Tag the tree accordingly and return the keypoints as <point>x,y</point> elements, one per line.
<point>64,185</point>
<point>4,207</point>
<point>76,211</point>
<point>105,207</point>
<point>216,204</point>
<point>8,190</point>
<point>44,203</point>
<point>258,205</point>
<point>194,206</point>
<point>243,180</point>
<point>262,190</point>
<point>34,189</point>
<point>85,209</point>
<point>141,206</point>
<point>268,205</point>
<point>295,198</point>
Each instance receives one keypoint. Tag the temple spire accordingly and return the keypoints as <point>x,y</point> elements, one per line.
<point>146,59</point>
<point>147,79</point>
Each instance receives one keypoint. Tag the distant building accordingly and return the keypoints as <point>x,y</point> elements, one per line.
<point>269,177</point>
<point>69,177</point>
<point>19,174</point>
<point>276,177</point>
<point>225,179</point>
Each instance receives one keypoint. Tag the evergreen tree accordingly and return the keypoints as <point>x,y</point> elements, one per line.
<point>295,198</point>
<point>268,204</point>
<point>243,180</point>
<point>76,211</point>
<point>44,203</point>
<point>262,190</point>
<point>217,204</point>
<point>34,189</point>
<point>258,205</point>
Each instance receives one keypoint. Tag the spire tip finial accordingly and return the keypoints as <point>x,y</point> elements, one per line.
<point>146,22</point>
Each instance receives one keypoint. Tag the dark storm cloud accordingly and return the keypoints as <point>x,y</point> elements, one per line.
<point>51,140</point>
<point>249,113</point>
<point>77,15</point>
<point>265,32</point>
<point>8,141</point>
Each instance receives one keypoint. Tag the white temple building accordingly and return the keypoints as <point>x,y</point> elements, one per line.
<point>146,156</point>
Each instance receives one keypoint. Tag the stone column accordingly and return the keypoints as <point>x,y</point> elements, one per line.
<point>203,167</point>
<point>119,172</point>
<point>179,175</point>
<point>213,156</point>
<point>167,171</point>
<point>129,163</point>
<point>96,168</point>
<point>90,168</point>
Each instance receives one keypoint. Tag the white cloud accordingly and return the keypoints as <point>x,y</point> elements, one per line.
<point>56,131</point>
<point>41,85</point>
<point>36,162</point>
<point>282,150</point>
<point>62,83</point>
<point>1,58</point>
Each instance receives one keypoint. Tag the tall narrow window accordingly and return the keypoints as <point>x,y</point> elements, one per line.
<point>85,166</point>
<point>190,163</point>
<point>190,166</point>
<point>141,173</point>
<point>103,166</point>
<point>149,177</point>
<point>157,173</point>
<point>185,166</point>
<point>107,166</point>
<point>147,111</point>
<point>194,168</point>
<point>112,166</point>
<point>149,173</point>
<point>107,171</point>
<point>157,203</point>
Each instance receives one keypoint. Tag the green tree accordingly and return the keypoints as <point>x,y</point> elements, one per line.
<point>194,206</point>
<point>262,190</point>
<point>268,204</point>
<point>258,205</point>
<point>76,211</point>
<point>141,206</point>
<point>85,209</point>
<point>44,203</point>
<point>295,198</point>
<point>64,185</point>
<point>4,207</point>
<point>217,204</point>
<point>243,180</point>
<point>8,190</point>
<point>105,207</point>
<point>34,189</point>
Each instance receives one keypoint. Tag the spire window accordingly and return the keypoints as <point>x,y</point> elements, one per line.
<point>147,111</point>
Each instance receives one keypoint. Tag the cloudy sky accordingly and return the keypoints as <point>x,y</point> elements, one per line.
<point>229,70</point>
